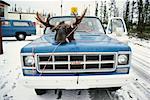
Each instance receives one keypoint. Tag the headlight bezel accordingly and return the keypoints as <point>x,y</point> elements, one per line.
<point>121,57</point>
<point>27,58</point>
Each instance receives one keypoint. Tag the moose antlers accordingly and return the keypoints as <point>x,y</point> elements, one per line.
<point>47,24</point>
<point>64,31</point>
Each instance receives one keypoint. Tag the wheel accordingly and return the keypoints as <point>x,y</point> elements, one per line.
<point>20,36</point>
<point>40,91</point>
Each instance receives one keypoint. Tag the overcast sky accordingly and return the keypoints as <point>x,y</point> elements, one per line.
<point>53,6</point>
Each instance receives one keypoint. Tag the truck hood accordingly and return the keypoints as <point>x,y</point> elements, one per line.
<point>83,43</point>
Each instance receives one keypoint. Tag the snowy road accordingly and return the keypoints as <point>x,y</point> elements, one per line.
<point>11,89</point>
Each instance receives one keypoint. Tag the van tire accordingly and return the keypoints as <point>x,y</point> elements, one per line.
<point>20,36</point>
<point>40,91</point>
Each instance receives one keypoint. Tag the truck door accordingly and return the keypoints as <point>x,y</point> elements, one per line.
<point>6,28</point>
<point>116,29</point>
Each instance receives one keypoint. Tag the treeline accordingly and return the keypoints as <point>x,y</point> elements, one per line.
<point>137,18</point>
<point>105,10</point>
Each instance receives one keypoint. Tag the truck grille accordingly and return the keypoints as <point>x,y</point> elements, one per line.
<point>76,62</point>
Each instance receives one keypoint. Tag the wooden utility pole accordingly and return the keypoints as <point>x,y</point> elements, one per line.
<point>1,46</point>
<point>61,6</point>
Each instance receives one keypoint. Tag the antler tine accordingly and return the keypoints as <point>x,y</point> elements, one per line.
<point>75,15</point>
<point>79,19</point>
<point>38,17</point>
<point>48,18</point>
<point>47,24</point>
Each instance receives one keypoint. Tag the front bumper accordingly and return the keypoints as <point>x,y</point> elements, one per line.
<point>75,82</point>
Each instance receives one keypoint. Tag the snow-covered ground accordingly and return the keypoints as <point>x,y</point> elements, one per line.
<point>11,89</point>
<point>141,42</point>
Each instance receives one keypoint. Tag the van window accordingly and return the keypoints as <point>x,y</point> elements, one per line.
<point>5,23</point>
<point>21,24</point>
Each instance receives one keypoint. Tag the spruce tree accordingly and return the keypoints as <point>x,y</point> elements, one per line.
<point>140,26</point>
<point>126,14</point>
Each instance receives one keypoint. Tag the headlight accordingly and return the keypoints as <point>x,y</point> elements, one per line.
<point>122,59</point>
<point>29,60</point>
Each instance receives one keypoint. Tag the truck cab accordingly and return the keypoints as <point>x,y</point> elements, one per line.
<point>92,60</point>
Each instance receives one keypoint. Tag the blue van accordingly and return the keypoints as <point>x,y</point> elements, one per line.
<point>18,28</point>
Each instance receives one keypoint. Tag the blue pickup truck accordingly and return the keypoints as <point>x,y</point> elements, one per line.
<point>92,60</point>
<point>17,28</point>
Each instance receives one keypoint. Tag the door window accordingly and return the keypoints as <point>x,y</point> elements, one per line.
<point>116,25</point>
<point>21,24</point>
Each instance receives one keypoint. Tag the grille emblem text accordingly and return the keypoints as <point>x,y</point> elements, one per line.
<point>75,62</point>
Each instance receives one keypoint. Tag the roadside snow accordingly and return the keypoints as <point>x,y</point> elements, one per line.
<point>141,42</point>
<point>10,68</point>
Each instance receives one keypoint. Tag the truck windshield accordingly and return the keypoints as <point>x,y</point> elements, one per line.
<point>88,26</point>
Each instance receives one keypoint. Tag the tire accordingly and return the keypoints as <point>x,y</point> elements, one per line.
<point>20,36</point>
<point>40,91</point>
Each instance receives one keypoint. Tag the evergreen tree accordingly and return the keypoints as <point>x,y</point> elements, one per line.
<point>105,13</point>
<point>146,6</point>
<point>101,11</point>
<point>126,14</point>
<point>96,10</point>
<point>113,10</point>
<point>148,16</point>
<point>140,26</point>
<point>132,13</point>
